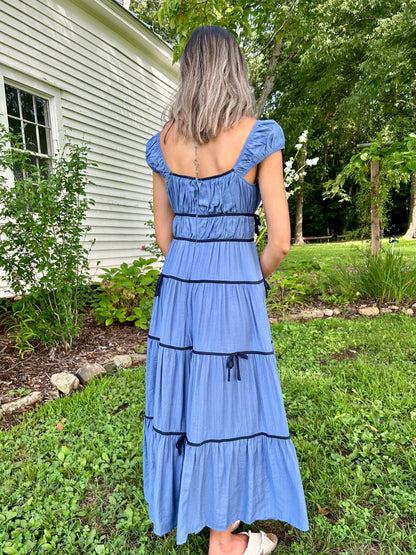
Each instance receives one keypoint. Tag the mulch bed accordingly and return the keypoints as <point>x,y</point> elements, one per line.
<point>95,344</point>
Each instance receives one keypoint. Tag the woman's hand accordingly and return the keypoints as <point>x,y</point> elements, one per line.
<point>276,211</point>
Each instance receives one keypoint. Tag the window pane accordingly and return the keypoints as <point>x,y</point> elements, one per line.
<point>14,126</point>
<point>41,110</point>
<point>44,167</point>
<point>11,101</point>
<point>30,137</point>
<point>27,106</point>
<point>17,171</point>
<point>43,137</point>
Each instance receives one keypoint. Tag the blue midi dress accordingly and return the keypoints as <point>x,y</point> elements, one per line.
<point>216,441</point>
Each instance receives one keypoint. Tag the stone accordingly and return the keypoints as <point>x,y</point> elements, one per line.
<point>65,382</point>
<point>407,311</point>
<point>52,394</point>
<point>122,361</point>
<point>414,306</point>
<point>110,366</point>
<point>328,312</point>
<point>369,311</point>
<point>385,310</point>
<point>88,371</point>
<point>1,413</point>
<point>394,307</point>
<point>318,313</point>
<point>26,401</point>
<point>337,312</point>
<point>138,358</point>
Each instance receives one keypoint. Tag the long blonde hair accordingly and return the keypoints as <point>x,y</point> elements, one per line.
<point>214,92</point>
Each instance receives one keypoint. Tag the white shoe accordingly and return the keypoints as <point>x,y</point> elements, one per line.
<point>259,543</point>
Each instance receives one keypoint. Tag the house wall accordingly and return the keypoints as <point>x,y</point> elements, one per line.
<point>108,79</point>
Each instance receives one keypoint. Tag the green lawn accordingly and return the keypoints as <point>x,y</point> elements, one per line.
<point>350,395</point>
<point>338,254</point>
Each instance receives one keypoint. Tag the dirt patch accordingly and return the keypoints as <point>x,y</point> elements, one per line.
<point>342,355</point>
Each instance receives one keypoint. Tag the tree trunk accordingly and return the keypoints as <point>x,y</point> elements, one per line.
<point>375,210</point>
<point>299,201</point>
<point>411,226</point>
<point>299,219</point>
<point>268,84</point>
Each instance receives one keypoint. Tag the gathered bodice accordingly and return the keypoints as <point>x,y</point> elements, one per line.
<point>218,207</point>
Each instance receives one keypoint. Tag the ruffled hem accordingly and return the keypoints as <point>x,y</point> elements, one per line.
<point>217,483</point>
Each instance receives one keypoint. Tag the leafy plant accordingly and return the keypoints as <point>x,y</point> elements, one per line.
<point>42,254</point>
<point>294,284</point>
<point>381,277</point>
<point>126,293</point>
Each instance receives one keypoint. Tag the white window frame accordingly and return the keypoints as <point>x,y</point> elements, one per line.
<point>26,82</point>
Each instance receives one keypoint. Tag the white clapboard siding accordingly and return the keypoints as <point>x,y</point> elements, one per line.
<point>108,79</point>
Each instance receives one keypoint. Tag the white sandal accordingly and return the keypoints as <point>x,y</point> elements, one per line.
<point>235,525</point>
<point>259,543</point>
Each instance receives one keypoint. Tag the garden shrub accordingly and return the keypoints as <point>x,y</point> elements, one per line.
<point>126,293</point>
<point>42,256</point>
<point>380,277</point>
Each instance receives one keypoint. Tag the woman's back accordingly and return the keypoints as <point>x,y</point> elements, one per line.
<point>215,157</point>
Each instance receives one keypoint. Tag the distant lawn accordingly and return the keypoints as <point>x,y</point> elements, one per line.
<point>350,395</point>
<point>338,254</point>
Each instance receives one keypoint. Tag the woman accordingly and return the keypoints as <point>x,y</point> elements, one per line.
<point>216,443</point>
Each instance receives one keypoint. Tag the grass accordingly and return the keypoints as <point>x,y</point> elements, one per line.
<point>350,397</point>
<point>338,254</point>
<point>341,273</point>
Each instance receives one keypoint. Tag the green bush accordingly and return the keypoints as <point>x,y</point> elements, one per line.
<point>296,283</point>
<point>382,277</point>
<point>42,255</point>
<point>126,293</point>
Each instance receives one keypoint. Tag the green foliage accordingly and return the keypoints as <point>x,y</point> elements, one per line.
<point>295,284</point>
<point>126,293</point>
<point>41,245</point>
<point>349,394</point>
<point>382,277</point>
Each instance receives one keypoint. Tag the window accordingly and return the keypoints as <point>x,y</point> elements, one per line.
<point>28,116</point>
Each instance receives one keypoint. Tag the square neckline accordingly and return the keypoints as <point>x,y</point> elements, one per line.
<point>209,176</point>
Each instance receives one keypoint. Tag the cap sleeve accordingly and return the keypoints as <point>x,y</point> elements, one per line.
<point>154,157</point>
<point>267,137</point>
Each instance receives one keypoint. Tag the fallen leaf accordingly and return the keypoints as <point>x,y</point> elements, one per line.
<point>371,428</point>
<point>103,396</point>
<point>321,510</point>
<point>63,419</point>
<point>59,426</point>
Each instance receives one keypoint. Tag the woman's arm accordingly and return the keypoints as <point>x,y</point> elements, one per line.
<point>276,210</point>
<point>163,214</point>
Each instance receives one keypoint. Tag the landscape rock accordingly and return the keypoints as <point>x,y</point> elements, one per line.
<point>1,413</point>
<point>88,371</point>
<point>65,382</point>
<point>52,394</point>
<point>26,401</point>
<point>122,361</point>
<point>407,311</point>
<point>369,311</point>
<point>139,358</point>
<point>328,312</point>
<point>414,306</point>
<point>394,307</point>
<point>385,310</point>
<point>337,312</point>
<point>110,366</point>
